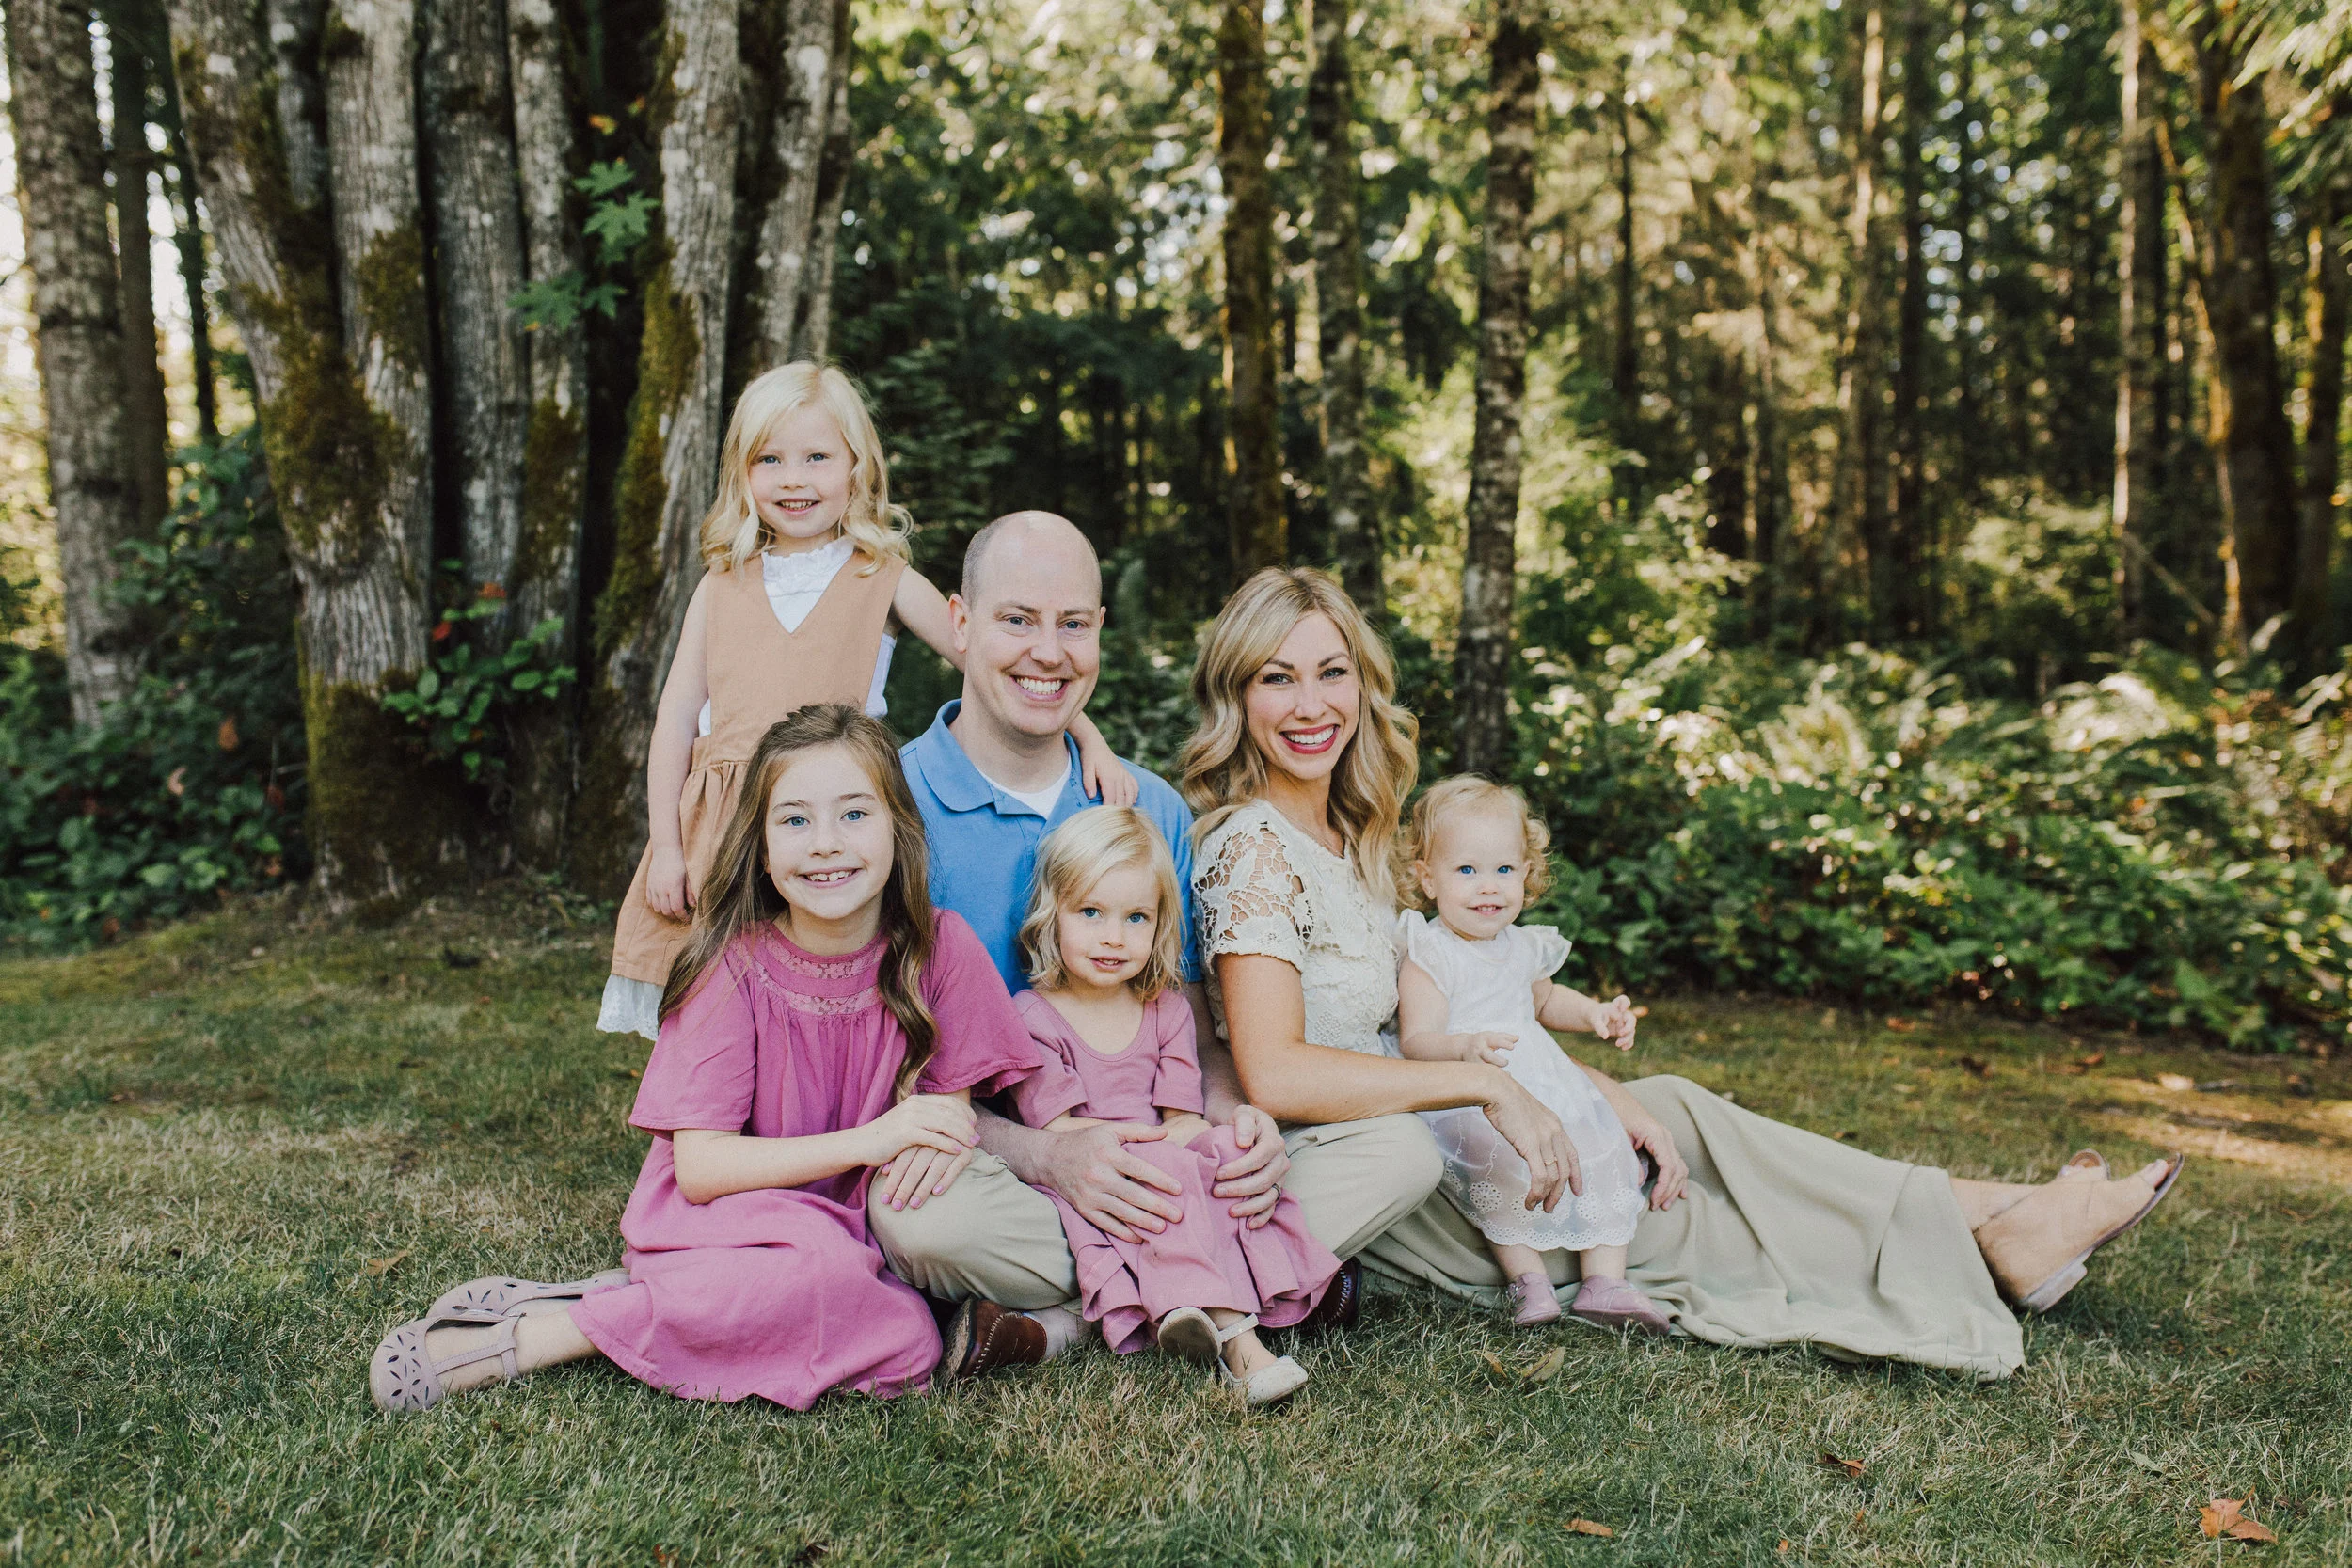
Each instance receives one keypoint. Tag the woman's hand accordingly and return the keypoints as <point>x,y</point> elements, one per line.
<point>918,1175</point>
<point>1253,1178</point>
<point>1530,1126</point>
<point>1649,1135</point>
<point>666,888</point>
<point>940,1122</point>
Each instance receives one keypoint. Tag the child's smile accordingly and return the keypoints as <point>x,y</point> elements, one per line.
<point>1107,930</point>
<point>1476,873</point>
<point>829,851</point>
<point>799,479</point>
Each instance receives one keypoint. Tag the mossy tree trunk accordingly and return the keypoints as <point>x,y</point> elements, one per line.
<point>809,69</point>
<point>1481,679</point>
<point>2140,246</point>
<point>1338,248</point>
<point>2328,301</point>
<point>61,172</point>
<point>1912,591</point>
<point>340,426</point>
<point>1256,527</point>
<point>545,576</point>
<point>1857,502</point>
<point>669,467</point>
<point>147,428</point>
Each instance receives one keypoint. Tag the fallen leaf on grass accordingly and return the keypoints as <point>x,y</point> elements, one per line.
<point>1784,1544</point>
<point>377,1268</point>
<point>2300,1086</point>
<point>1586,1527</point>
<point>1494,1363</point>
<point>2081,1065</point>
<point>664,1558</point>
<point>1977,1065</point>
<point>1901,1026</point>
<point>2177,1082</point>
<point>1546,1368</point>
<point>2228,1516</point>
<point>1859,1515</point>
<point>2145,1463</point>
<point>1851,1467</point>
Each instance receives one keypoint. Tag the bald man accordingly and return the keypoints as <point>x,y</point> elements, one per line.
<point>992,775</point>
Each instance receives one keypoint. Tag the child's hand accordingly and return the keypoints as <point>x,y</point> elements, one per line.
<point>1490,1047</point>
<point>666,887</point>
<point>921,1121</point>
<point>1613,1022</point>
<point>1103,774</point>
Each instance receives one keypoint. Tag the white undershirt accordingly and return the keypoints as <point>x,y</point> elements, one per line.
<point>1039,800</point>
<point>794,584</point>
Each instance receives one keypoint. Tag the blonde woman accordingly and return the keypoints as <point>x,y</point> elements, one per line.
<point>804,564</point>
<point>1755,1233</point>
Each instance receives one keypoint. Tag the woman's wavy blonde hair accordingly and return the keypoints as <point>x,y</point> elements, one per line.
<point>1469,793</point>
<point>1220,769</point>
<point>732,530</point>
<point>1080,853</point>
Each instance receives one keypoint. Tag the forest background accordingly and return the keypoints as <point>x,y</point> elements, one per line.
<point>1872,471</point>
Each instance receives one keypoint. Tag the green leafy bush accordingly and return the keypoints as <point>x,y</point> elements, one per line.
<point>191,786</point>
<point>462,692</point>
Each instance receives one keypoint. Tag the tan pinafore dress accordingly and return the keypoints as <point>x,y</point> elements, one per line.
<point>758,673</point>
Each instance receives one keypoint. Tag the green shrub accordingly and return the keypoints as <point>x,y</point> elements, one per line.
<point>191,786</point>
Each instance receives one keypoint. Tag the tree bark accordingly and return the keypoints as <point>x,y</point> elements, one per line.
<point>187,238</point>
<point>669,469</point>
<point>1770,489</point>
<point>478,266</point>
<point>2328,297</point>
<point>1339,249</point>
<point>1482,681</point>
<point>1965,446</point>
<point>383,825</point>
<point>545,578</point>
<point>1857,507</point>
<point>77,309</point>
<point>2252,442</point>
<point>832,185</point>
<point>2139,422</point>
<point>147,426</point>
<point>1912,593</point>
<point>1253,447</point>
<point>806,70</point>
<point>1625,368</point>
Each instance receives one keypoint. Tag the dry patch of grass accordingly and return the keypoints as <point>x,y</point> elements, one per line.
<point>206,1148</point>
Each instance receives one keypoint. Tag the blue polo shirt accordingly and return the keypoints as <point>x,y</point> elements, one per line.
<point>983,842</point>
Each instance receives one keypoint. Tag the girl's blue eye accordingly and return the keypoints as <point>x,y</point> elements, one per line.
<point>1138,918</point>
<point>855,813</point>
<point>1089,911</point>
<point>1466,870</point>
<point>795,821</point>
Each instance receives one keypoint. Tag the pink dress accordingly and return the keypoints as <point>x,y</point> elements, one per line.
<point>780,1291</point>
<point>1210,1259</point>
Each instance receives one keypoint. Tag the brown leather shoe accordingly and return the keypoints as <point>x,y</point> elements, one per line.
<point>1342,1301</point>
<point>982,1337</point>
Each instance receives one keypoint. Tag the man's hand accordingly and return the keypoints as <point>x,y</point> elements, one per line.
<point>1117,1193</point>
<point>1253,1178</point>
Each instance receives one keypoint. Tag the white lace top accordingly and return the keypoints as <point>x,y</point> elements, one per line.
<point>1262,885</point>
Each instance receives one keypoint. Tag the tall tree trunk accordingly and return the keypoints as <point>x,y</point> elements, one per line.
<point>1771,490</point>
<point>1966,451</point>
<point>669,469</point>
<point>2140,425</point>
<point>832,185</point>
<point>1260,532</point>
<point>544,582</point>
<point>344,465</point>
<point>2252,442</point>
<point>1857,505</point>
<point>1339,308</point>
<point>2328,298</point>
<point>62,174</point>
<point>1625,368</point>
<point>478,265</point>
<point>1481,680</point>
<point>187,238</point>
<point>810,64</point>
<point>1913,596</point>
<point>146,427</point>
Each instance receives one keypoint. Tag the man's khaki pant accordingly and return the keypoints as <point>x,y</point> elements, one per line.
<point>991,1236</point>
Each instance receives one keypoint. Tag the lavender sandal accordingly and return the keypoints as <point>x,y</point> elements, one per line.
<point>403,1377</point>
<point>496,1297</point>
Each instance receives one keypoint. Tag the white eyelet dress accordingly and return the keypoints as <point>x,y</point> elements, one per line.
<point>1490,985</point>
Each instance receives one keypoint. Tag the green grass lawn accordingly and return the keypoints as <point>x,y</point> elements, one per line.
<point>213,1139</point>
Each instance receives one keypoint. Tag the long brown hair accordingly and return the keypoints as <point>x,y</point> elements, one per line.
<point>1220,769</point>
<point>738,896</point>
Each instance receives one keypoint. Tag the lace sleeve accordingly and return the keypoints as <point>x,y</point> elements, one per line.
<point>1252,900</point>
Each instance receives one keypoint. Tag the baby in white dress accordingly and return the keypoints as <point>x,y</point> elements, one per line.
<point>1475,987</point>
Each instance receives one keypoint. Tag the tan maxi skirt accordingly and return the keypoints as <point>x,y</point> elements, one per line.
<point>1785,1237</point>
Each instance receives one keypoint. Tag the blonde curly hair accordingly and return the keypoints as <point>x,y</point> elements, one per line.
<point>732,530</point>
<point>1468,793</point>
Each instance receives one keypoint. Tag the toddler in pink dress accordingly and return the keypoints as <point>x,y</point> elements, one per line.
<point>1104,938</point>
<point>822,1023</point>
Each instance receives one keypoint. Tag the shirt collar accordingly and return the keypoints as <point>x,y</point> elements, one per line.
<point>953,778</point>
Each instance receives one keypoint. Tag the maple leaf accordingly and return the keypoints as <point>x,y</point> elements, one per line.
<point>2227,1516</point>
<point>1587,1526</point>
<point>378,1267</point>
<point>1852,1469</point>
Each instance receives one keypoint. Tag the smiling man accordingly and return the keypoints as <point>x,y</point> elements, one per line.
<point>992,775</point>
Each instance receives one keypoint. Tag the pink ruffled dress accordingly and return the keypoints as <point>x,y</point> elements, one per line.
<point>781,1293</point>
<point>1210,1259</point>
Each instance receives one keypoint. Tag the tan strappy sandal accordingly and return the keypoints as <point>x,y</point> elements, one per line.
<point>496,1296</point>
<point>404,1378</point>
<point>2033,1247</point>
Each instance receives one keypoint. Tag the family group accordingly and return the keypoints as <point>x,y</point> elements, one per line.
<point>970,1049</point>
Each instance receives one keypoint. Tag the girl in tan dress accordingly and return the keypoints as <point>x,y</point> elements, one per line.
<point>806,571</point>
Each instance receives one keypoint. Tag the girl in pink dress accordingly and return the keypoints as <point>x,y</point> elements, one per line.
<point>823,1022</point>
<point>1104,939</point>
